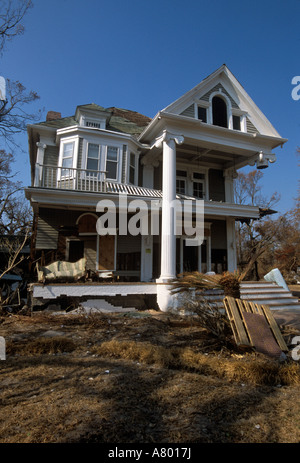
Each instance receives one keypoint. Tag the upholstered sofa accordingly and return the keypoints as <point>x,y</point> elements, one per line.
<point>61,270</point>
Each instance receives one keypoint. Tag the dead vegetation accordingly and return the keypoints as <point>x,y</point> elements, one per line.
<point>145,377</point>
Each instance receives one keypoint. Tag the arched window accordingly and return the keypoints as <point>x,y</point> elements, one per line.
<point>219,112</point>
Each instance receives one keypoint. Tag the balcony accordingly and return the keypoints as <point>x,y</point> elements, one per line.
<point>70,178</point>
<point>74,179</point>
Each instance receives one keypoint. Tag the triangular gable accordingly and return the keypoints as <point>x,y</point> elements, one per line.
<point>222,80</point>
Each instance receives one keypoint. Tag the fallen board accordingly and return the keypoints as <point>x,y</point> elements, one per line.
<point>236,308</point>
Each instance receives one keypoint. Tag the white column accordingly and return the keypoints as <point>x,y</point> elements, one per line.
<point>168,234</point>
<point>39,163</point>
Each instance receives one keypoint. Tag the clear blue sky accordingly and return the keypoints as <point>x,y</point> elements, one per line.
<point>143,55</point>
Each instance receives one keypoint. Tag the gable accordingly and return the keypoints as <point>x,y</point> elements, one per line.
<point>223,84</point>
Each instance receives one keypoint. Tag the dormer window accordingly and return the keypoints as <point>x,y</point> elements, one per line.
<point>95,125</point>
<point>219,112</point>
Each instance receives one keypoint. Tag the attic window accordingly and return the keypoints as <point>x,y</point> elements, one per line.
<point>219,112</point>
<point>202,114</point>
<point>95,125</point>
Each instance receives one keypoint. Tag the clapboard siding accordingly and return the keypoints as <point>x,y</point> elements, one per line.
<point>216,89</point>
<point>189,112</point>
<point>47,235</point>
<point>51,156</point>
<point>250,127</point>
<point>49,223</point>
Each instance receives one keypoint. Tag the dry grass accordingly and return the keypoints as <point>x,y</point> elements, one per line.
<point>257,371</point>
<point>157,379</point>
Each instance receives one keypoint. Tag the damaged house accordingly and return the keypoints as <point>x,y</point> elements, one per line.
<point>191,149</point>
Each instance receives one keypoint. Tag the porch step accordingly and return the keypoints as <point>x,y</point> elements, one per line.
<point>260,292</point>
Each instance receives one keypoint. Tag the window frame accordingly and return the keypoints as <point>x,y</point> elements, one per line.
<point>199,181</point>
<point>63,142</point>
<point>117,162</point>
<point>102,156</point>
<point>88,171</point>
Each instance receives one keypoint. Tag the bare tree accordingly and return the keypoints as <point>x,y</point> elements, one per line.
<point>252,239</point>
<point>15,213</point>
<point>12,13</point>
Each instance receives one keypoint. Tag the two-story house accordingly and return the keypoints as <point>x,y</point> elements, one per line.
<point>190,149</point>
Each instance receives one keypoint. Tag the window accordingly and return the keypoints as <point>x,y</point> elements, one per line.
<point>93,158</point>
<point>112,163</point>
<point>67,158</point>
<point>236,122</point>
<point>95,125</point>
<point>219,112</point>
<point>202,114</point>
<point>198,185</point>
<point>132,168</point>
<point>181,181</point>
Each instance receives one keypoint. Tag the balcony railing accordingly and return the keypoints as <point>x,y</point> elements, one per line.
<point>70,178</point>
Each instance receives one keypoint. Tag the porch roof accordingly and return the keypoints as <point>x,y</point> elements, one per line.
<point>75,199</point>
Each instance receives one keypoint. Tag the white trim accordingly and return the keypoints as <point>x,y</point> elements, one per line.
<point>63,142</point>
<point>223,96</point>
<point>86,213</point>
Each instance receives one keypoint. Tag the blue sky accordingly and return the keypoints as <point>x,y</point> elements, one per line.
<point>143,55</point>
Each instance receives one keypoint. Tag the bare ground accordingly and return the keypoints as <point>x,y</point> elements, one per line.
<point>151,378</point>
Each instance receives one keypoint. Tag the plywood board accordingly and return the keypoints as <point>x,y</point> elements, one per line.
<point>106,253</point>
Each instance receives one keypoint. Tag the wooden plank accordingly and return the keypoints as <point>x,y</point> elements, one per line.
<point>274,327</point>
<point>236,308</point>
<point>236,322</point>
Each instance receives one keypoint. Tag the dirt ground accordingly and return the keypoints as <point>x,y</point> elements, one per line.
<point>139,378</point>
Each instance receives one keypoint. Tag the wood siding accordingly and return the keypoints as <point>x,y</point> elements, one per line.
<point>250,127</point>
<point>216,89</point>
<point>189,112</point>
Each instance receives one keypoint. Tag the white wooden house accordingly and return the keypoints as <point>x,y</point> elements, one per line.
<point>190,149</point>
